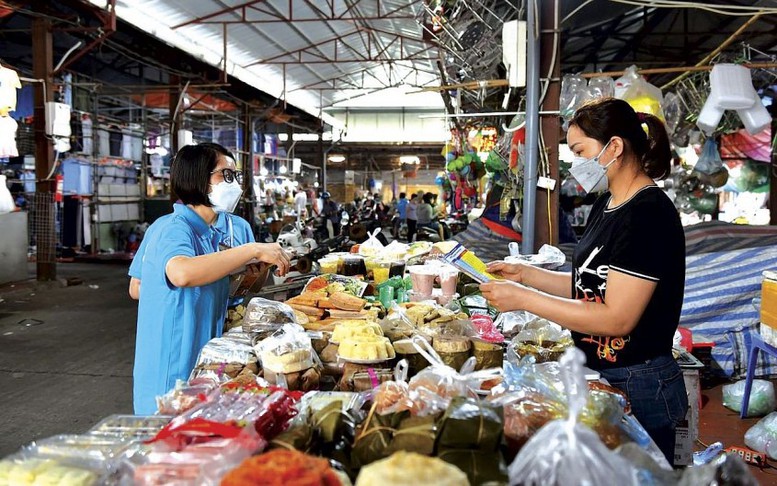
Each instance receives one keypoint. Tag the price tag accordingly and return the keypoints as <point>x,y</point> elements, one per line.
<point>546,183</point>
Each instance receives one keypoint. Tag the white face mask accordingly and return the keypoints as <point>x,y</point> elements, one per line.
<point>590,174</point>
<point>224,196</point>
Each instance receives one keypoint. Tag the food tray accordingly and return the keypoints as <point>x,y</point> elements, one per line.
<point>130,426</point>
<point>92,449</point>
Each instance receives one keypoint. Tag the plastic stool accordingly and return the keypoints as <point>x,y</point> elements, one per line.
<point>756,344</point>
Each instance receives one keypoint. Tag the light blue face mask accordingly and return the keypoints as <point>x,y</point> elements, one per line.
<point>590,174</point>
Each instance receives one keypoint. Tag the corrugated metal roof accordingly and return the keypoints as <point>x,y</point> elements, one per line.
<point>319,52</point>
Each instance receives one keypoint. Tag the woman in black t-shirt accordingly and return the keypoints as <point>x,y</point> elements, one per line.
<point>623,298</point>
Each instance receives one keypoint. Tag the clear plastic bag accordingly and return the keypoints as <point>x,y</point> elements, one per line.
<point>202,463</point>
<point>397,325</point>
<point>762,436</point>
<point>184,396</point>
<point>574,92</point>
<point>512,323</point>
<point>761,402</point>
<point>224,350</point>
<point>709,161</point>
<point>263,314</point>
<point>644,97</point>
<point>394,396</point>
<point>539,378</point>
<point>432,389</point>
<point>485,328</point>
<point>566,452</point>
<point>545,342</point>
<point>268,412</point>
<point>372,247</point>
<point>601,87</point>
<point>548,257</point>
<point>673,112</point>
<point>623,83</point>
<point>288,350</point>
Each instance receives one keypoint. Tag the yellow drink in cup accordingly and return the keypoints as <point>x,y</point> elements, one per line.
<point>328,265</point>
<point>381,272</point>
<point>370,263</point>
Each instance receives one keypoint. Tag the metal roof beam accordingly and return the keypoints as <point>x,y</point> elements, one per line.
<point>297,54</point>
<point>321,15</point>
<point>343,61</point>
<point>204,19</point>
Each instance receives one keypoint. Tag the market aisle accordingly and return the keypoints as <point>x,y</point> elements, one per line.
<point>65,354</point>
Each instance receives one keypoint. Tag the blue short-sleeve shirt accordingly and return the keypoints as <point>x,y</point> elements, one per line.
<point>233,230</point>
<point>173,323</point>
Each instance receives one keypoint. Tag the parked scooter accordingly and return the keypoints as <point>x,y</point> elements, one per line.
<point>399,228</point>
<point>292,237</point>
<point>426,233</point>
<point>457,222</point>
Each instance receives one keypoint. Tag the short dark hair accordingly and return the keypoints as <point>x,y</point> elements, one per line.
<point>605,118</point>
<point>402,195</point>
<point>428,197</point>
<point>191,169</point>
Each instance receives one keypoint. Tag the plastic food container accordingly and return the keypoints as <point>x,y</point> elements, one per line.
<point>130,426</point>
<point>329,265</point>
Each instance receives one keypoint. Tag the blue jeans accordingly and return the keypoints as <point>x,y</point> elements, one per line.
<point>658,398</point>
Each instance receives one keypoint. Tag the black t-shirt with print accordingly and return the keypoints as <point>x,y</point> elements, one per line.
<point>643,238</point>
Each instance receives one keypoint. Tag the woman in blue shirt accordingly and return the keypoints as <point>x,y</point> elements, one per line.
<point>185,284</point>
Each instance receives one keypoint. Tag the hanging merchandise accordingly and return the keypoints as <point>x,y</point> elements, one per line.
<point>624,82</point>
<point>9,83</point>
<point>574,92</point>
<point>8,127</point>
<point>709,160</point>
<point>6,200</point>
<point>644,97</point>
<point>731,88</point>
<point>673,112</point>
<point>601,87</point>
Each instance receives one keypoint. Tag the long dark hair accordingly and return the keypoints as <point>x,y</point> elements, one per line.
<point>605,118</point>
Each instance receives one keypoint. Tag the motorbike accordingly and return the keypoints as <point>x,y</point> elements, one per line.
<point>457,222</point>
<point>364,222</point>
<point>399,228</point>
<point>293,238</point>
<point>426,233</point>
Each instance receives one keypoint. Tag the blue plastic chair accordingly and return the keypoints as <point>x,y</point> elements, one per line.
<point>756,344</point>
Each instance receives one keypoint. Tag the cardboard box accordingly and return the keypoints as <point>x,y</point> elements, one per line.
<point>769,299</point>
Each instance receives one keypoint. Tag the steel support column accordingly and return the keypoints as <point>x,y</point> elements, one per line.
<point>172,102</point>
<point>249,197</point>
<point>44,210</point>
<point>547,214</point>
<point>532,128</point>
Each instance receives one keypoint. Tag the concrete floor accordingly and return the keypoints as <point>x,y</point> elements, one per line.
<point>65,373</point>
